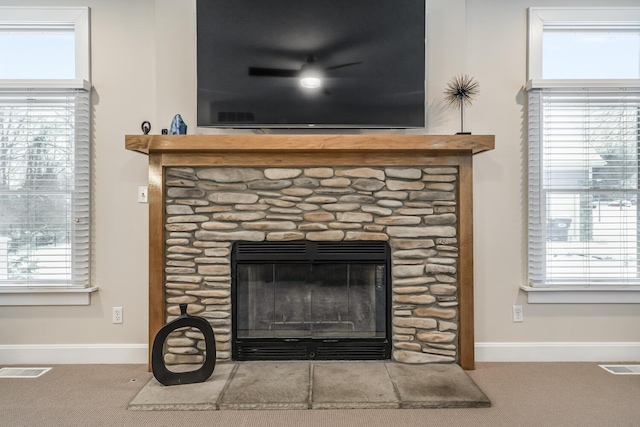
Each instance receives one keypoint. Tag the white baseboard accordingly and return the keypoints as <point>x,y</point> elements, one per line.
<point>73,354</point>
<point>557,351</point>
<point>484,351</point>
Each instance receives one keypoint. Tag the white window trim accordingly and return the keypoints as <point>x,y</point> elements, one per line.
<point>583,294</point>
<point>57,84</point>
<point>551,84</point>
<point>538,18</point>
<point>79,17</point>
<point>541,16</point>
<point>46,296</point>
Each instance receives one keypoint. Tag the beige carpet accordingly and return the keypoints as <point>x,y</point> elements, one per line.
<point>522,394</point>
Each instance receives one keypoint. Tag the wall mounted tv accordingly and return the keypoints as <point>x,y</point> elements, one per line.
<point>311,63</point>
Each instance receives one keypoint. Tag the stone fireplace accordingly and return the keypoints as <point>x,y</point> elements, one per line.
<point>210,195</point>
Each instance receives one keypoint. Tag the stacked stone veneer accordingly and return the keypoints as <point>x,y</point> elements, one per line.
<point>413,208</point>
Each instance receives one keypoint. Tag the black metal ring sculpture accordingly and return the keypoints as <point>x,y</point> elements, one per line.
<point>167,377</point>
<point>146,127</point>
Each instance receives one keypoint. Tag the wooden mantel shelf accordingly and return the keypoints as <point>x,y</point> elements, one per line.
<point>419,144</point>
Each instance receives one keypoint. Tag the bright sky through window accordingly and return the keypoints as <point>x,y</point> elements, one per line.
<point>597,54</point>
<point>37,55</point>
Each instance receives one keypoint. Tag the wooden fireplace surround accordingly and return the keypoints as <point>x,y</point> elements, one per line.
<point>314,151</point>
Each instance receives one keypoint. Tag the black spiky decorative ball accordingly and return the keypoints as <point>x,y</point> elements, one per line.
<point>461,91</point>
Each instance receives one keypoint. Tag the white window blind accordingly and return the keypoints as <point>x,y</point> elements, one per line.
<point>584,160</point>
<point>44,188</point>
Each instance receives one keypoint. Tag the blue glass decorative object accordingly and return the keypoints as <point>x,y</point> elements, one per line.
<point>178,126</point>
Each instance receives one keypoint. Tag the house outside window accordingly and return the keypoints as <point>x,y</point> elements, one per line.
<point>44,156</point>
<point>584,155</point>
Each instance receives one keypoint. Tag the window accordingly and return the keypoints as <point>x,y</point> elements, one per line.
<point>591,53</point>
<point>584,154</point>
<point>44,153</point>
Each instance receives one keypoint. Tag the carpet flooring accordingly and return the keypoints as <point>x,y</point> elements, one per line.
<point>522,394</point>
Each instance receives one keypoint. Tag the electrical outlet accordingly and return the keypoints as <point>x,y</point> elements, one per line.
<point>518,316</point>
<point>117,314</point>
<point>143,194</point>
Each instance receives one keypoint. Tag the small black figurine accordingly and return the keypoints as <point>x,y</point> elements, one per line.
<point>146,127</point>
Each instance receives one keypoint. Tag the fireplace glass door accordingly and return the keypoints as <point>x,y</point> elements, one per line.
<point>315,308</point>
<point>309,301</point>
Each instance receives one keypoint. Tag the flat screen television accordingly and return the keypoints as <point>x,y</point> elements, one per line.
<point>311,63</point>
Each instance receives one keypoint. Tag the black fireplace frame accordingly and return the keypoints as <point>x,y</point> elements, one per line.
<point>315,252</point>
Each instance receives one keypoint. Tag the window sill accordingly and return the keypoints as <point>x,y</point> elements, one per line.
<point>563,84</point>
<point>46,84</point>
<point>46,296</point>
<point>583,295</point>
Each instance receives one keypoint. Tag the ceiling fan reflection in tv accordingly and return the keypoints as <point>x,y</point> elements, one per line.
<point>310,73</point>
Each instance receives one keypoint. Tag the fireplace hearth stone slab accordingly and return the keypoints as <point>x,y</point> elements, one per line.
<point>436,386</point>
<point>352,385</point>
<point>268,385</point>
<point>186,397</point>
<point>318,385</point>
